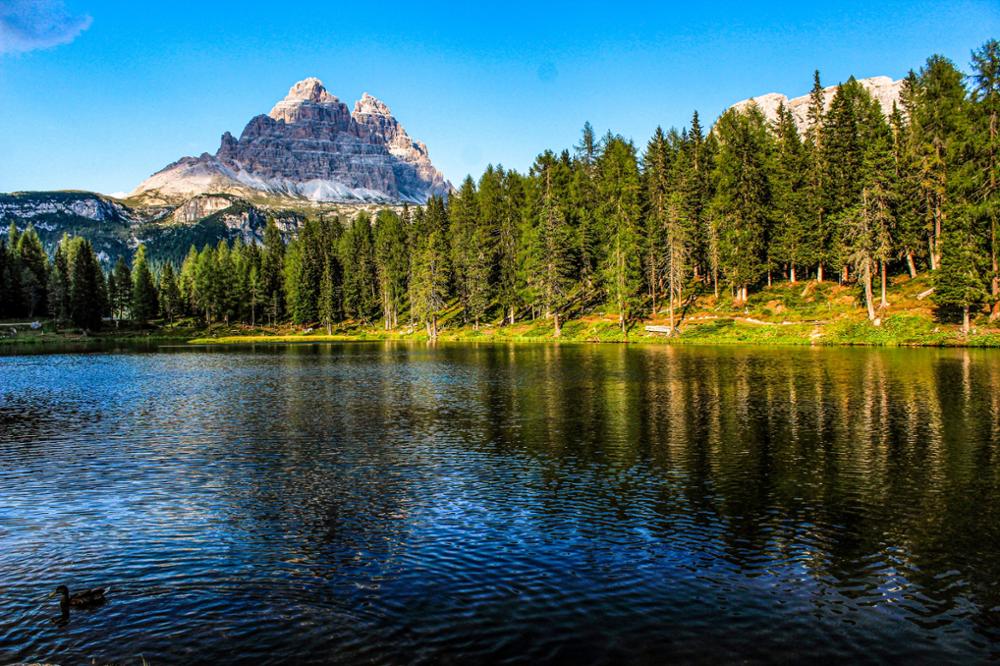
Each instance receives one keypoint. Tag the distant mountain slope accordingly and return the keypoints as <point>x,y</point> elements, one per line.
<point>310,146</point>
<point>116,229</point>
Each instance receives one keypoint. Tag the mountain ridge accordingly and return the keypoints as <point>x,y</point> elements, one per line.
<point>309,146</point>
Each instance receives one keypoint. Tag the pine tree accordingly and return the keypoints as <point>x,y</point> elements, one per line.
<point>939,115</point>
<point>169,293</point>
<point>357,256</point>
<point>551,242</point>
<point>144,298</point>
<point>59,282</point>
<point>15,303</point>
<point>618,190</point>
<point>4,288</point>
<point>742,197</point>
<point>327,300</point>
<point>391,265</point>
<point>87,289</point>
<point>186,281</point>
<point>583,213</point>
<point>816,195</point>
<point>34,263</point>
<point>463,213</point>
<point>430,272</point>
<point>870,223</point>
<point>272,272</point>
<point>122,279</point>
<point>984,179</point>
<point>846,131</point>
<point>509,285</point>
<point>684,207</point>
<point>656,175</point>
<point>910,236</point>
<point>793,242</point>
<point>961,282</point>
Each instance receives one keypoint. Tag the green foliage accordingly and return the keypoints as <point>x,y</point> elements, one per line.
<point>619,214</point>
<point>145,305</point>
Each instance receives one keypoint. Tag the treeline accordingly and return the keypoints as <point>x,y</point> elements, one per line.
<point>858,196</point>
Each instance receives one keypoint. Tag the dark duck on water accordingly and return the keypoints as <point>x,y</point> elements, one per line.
<point>82,600</point>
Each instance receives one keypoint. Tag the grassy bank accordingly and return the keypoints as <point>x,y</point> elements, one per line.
<point>805,313</point>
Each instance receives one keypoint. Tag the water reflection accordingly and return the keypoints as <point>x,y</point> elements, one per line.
<point>404,503</point>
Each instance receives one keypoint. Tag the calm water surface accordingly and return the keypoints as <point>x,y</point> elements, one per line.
<point>393,503</point>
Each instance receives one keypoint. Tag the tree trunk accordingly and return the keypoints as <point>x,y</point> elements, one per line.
<point>910,266</point>
<point>672,312</point>
<point>557,328</point>
<point>845,275</point>
<point>791,274</point>
<point>768,277</point>
<point>512,315</point>
<point>930,244</point>
<point>885,301</point>
<point>329,328</point>
<point>868,291</point>
<point>995,282</point>
<point>819,272</point>
<point>965,320</point>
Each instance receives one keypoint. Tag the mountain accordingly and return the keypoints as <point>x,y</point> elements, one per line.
<point>116,229</point>
<point>882,88</point>
<point>312,147</point>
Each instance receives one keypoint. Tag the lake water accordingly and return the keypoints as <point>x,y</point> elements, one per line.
<point>397,503</point>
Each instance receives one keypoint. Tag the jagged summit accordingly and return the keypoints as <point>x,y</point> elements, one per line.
<point>882,88</point>
<point>310,145</point>
<point>310,90</point>
<point>371,105</point>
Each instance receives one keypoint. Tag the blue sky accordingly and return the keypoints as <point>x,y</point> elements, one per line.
<point>98,95</point>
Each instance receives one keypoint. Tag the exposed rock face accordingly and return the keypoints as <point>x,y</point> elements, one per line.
<point>311,146</point>
<point>882,88</point>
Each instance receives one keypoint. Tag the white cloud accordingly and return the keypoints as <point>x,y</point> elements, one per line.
<point>26,25</point>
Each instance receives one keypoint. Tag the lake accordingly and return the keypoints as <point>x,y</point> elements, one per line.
<point>405,503</point>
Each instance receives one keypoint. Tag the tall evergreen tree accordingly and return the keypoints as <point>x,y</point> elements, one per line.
<point>984,179</point>
<point>144,298</point>
<point>793,240</point>
<point>743,197</point>
<point>169,293</point>
<point>656,175</point>
<point>618,189</point>
<point>357,256</point>
<point>59,282</point>
<point>816,194</point>
<point>509,278</point>
<point>391,265</point>
<point>121,277</point>
<point>939,115</point>
<point>34,263</point>
<point>551,240</point>
<point>87,288</point>
<point>430,273</point>
<point>870,223</point>
<point>272,272</point>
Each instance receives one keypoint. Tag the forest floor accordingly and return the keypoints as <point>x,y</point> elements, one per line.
<point>805,313</point>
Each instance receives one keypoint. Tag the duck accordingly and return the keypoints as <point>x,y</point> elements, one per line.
<point>84,599</point>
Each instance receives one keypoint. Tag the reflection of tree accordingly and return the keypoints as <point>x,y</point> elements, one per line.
<point>854,476</point>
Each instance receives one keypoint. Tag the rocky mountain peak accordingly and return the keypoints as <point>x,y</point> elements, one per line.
<point>370,105</point>
<point>882,88</point>
<point>309,146</point>
<point>309,90</point>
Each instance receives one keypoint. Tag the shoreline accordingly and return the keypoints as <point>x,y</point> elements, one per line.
<point>720,332</point>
